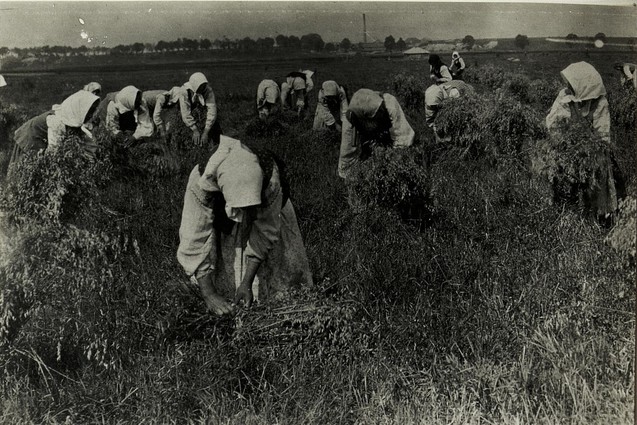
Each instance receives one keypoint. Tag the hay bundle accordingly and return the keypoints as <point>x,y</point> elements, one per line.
<point>300,326</point>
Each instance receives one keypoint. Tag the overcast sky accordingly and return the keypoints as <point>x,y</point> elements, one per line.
<point>25,24</point>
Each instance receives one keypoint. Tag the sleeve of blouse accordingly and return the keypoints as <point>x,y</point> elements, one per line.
<point>344,103</point>
<point>56,130</point>
<point>601,119</point>
<point>401,132</point>
<point>559,111</point>
<point>185,107</point>
<point>446,75</point>
<point>145,127</point>
<point>266,229</point>
<point>159,105</point>
<point>112,118</point>
<point>350,151</point>
<point>211,108</point>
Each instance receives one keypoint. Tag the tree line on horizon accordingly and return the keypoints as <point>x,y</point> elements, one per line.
<point>307,42</point>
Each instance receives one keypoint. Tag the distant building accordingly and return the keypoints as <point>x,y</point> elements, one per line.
<point>367,48</point>
<point>416,53</point>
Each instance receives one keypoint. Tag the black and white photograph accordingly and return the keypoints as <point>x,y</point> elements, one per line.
<point>318,212</point>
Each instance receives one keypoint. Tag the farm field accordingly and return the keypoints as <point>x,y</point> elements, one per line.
<point>494,304</point>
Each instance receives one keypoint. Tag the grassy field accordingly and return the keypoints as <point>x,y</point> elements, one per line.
<point>494,304</point>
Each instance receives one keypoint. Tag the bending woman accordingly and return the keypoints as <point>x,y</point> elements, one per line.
<point>46,131</point>
<point>239,223</point>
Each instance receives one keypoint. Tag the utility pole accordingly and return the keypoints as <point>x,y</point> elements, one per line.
<point>364,30</point>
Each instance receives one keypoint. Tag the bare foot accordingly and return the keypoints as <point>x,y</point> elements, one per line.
<point>217,304</point>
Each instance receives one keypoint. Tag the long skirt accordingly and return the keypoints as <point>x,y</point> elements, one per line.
<point>286,267</point>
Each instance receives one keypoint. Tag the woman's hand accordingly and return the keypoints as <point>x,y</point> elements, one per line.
<point>244,293</point>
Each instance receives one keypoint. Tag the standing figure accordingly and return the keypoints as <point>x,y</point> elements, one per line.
<point>584,100</point>
<point>268,94</point>
<point>46,131</point>
<point>438,71</point>
<point>372,119</point>
<point>457,66</point>
<point>331,107</point>
<point>239,234</point>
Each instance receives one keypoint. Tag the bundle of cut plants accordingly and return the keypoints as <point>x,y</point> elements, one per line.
<point>393,179</point>
<point>577,163</point>
<point>302,324</point>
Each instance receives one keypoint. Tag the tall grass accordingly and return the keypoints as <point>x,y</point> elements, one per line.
<point>498,306</point>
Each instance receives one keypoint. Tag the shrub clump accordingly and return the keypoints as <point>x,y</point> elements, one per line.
<point>46,187</point>
<point>409,90</point>
<point>571,160</point>
<point>486,127</point>
<point>623,108</point>
<point>393,179</point>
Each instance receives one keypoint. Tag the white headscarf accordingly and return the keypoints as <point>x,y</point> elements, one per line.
<point>365,103</point>
<point>125,99</point>
<point>195,81</point>
<point>2,81</point>
<point>92,87</point>
<point>330,88</point>
<point>73,110</point>
<point>586,82</point>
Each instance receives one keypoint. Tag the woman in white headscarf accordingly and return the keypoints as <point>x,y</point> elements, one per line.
<point>331,107</point>
<point>268,94</point>
<point>372,119</point>
<point>128,113</point>
<point>457,66</point>
<point>584,100</point>
<point>239,233</point>
<point>198,93</point>
<point>48,130</point>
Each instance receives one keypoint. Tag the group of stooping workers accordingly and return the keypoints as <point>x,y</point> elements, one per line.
<point>129,115</point>
<point>239,234</point>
